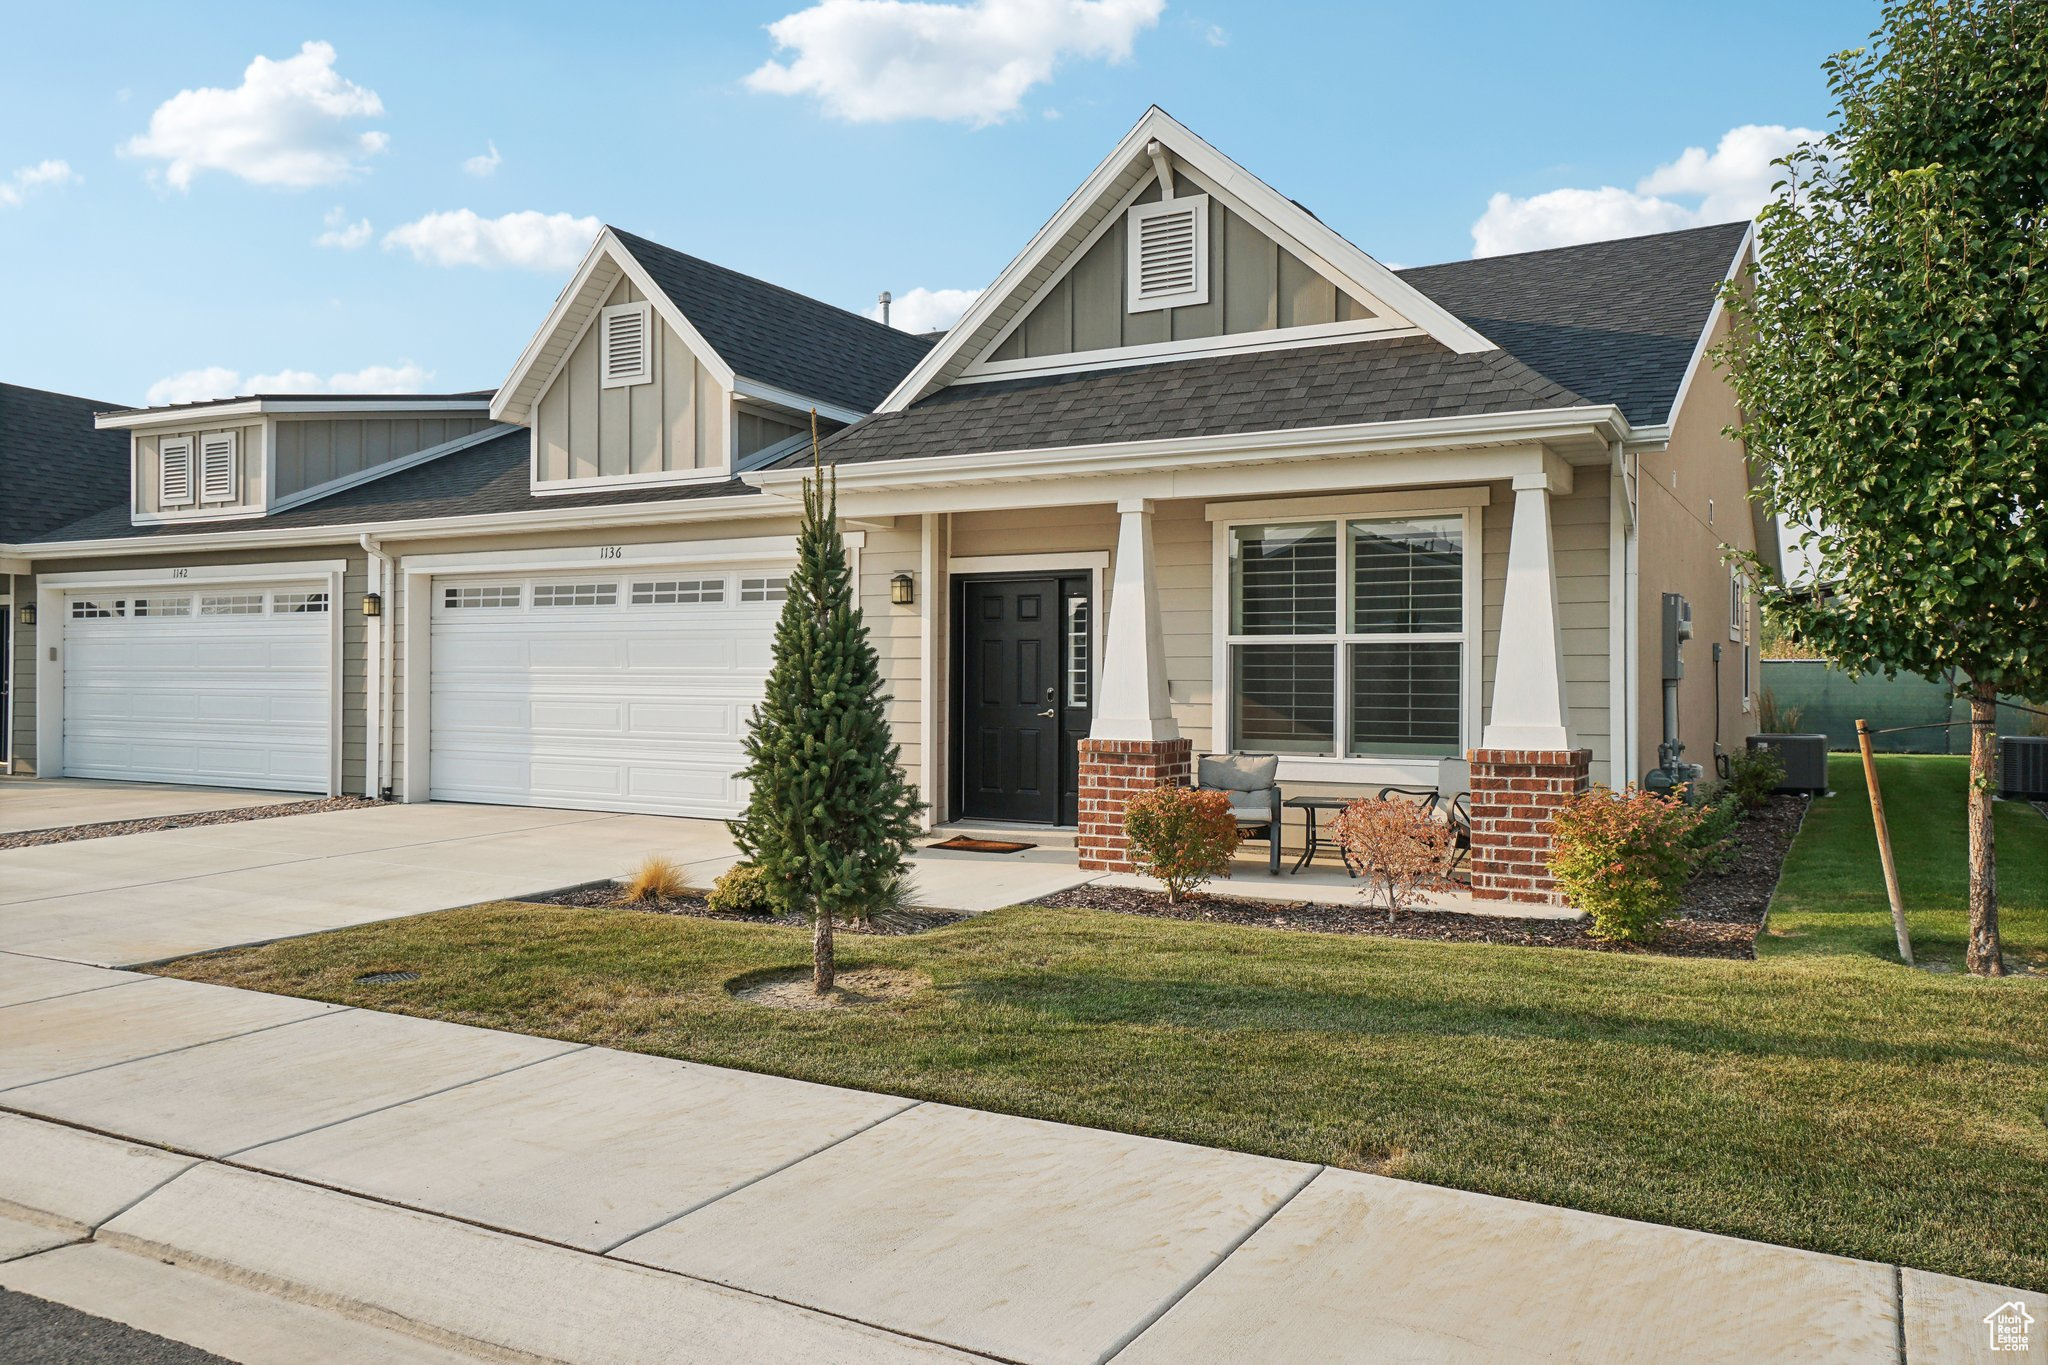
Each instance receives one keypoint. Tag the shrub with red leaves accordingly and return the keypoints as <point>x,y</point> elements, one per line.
<point>1401,850</point>
<point>1181,836</point>
<point>1624,858</point>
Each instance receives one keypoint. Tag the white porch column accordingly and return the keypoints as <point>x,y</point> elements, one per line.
<point>1130,699</point>
<point>1529,709</point>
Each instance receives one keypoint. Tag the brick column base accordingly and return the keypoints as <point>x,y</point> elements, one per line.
<point>1514,794</point>
<point>1112,772</point>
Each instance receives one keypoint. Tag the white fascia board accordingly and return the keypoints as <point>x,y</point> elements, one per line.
<point>513,404</point>
<point>591,519</point>
<point>1269,210</point>
<point>597,483</point>
<point>1745,254</point>
<point>403,462</point>
<point>290,570</point>
<point>1195,348</point>
<point>1602,424</point>
<point>762,392</point>
<point>215,414</point>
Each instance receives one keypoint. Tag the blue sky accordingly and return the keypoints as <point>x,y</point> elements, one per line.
<point>155,240</point>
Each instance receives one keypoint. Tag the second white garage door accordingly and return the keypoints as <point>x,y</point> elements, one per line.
<point>227,686</point>
<point>600,692</point>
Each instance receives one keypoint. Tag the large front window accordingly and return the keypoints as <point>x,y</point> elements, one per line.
<point>1347,636</point>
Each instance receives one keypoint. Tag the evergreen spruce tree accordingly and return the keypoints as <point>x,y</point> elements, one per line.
<point>830,819</point>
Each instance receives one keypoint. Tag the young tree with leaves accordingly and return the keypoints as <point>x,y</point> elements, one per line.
<point>829,818</point>
<point>1891,359</point>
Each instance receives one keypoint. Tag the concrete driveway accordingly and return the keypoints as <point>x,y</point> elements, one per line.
<point>28,803</point>
<point>143,898</point>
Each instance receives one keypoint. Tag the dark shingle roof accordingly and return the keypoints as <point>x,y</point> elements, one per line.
<point>1615,321</point>
<point>486,478</point>
<point>1385,380</point>
<point>54,467</point>
<point>781,337</point>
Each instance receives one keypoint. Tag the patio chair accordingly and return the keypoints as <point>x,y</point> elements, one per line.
<point>1249,780</point>
<point>1450,801</point>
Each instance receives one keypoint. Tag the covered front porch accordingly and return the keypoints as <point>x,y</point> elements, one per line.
<point>1363,616</point>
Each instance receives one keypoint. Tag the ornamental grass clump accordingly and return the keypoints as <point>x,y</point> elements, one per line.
<point>1181,837</point>
<point>1399,848</point>
<point>1624,858</point>
<point>657,879</point>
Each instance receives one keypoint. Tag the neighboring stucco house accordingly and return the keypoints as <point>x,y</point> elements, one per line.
<point>1194,473</point>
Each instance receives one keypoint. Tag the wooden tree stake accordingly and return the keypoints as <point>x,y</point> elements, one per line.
<point>1884,843</point>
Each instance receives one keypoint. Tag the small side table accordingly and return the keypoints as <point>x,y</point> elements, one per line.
<point>1308,806</point>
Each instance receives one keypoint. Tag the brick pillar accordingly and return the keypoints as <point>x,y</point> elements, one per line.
<point>1514,793</point>
<point>1112,772</point>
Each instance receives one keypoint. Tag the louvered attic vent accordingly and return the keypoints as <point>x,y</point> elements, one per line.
<point>174,472</point>
<point>217,482</point>
<point>626,346</point>
<point>1169,253</point>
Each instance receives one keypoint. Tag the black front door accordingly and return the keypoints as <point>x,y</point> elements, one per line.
<point>1010,723</point>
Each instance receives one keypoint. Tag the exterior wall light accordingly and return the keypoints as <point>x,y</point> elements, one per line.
<point>902,590</point>
<point>373,604</point>
<point>27,615</point>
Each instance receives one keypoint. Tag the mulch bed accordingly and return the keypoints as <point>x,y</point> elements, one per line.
<point>65,834</point>
<point>1723,908</point>
<point>606,896</point>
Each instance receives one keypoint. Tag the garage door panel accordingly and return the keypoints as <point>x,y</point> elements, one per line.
<point>213,700</point>
<point>619,704</point>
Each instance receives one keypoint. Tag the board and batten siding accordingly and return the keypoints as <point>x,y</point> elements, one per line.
<point>249,471</point>
<point>1255,285</point>
<point>316,450</point>
<point>675,423</point>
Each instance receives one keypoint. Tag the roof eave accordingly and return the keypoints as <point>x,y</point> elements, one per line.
<point>1592,427</point>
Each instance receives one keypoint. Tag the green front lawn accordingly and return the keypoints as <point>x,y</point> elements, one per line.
<point>1821,1097</point>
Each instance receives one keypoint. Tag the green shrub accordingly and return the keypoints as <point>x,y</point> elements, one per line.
<point>1181,836</point>
<point>1624,859</point>
<point>1753,774</point>
<point>743,889</point>
<point>1712,840</point>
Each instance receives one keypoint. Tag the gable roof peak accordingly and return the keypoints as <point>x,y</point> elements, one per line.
<point>1130,163</point>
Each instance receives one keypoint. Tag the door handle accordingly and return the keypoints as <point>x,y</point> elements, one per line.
<point>1049,712</point>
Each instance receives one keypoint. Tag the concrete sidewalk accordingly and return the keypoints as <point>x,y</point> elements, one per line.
<point>403,1189</point>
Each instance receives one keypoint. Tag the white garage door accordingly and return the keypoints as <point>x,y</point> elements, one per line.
<point>628,692</point>
<point>224,686</point>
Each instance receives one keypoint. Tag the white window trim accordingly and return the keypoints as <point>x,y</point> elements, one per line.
<point>227,444</point>
<point>188,448</point>
<point>1197,205</point>
<point>1393,769</point>
<point>642,310</point>
<point>52,588</point>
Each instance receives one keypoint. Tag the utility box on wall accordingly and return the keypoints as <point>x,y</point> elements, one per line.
<point>1805,758</point>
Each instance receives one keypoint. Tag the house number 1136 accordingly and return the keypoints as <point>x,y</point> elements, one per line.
<point>611,552</point>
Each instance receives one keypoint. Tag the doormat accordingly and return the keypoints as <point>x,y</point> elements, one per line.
<point>960,843</point>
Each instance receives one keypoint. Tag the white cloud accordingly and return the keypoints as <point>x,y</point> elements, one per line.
<point>28,179</point>
<point>1730,183</point>
<point>341,234</point>
<point>286,124</point>
<point>1216,36</point>
<point>218,381</point>
<point>484,162</point>
<point>528,240</point>
<point>874,61</point>
<point>926,310</point>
